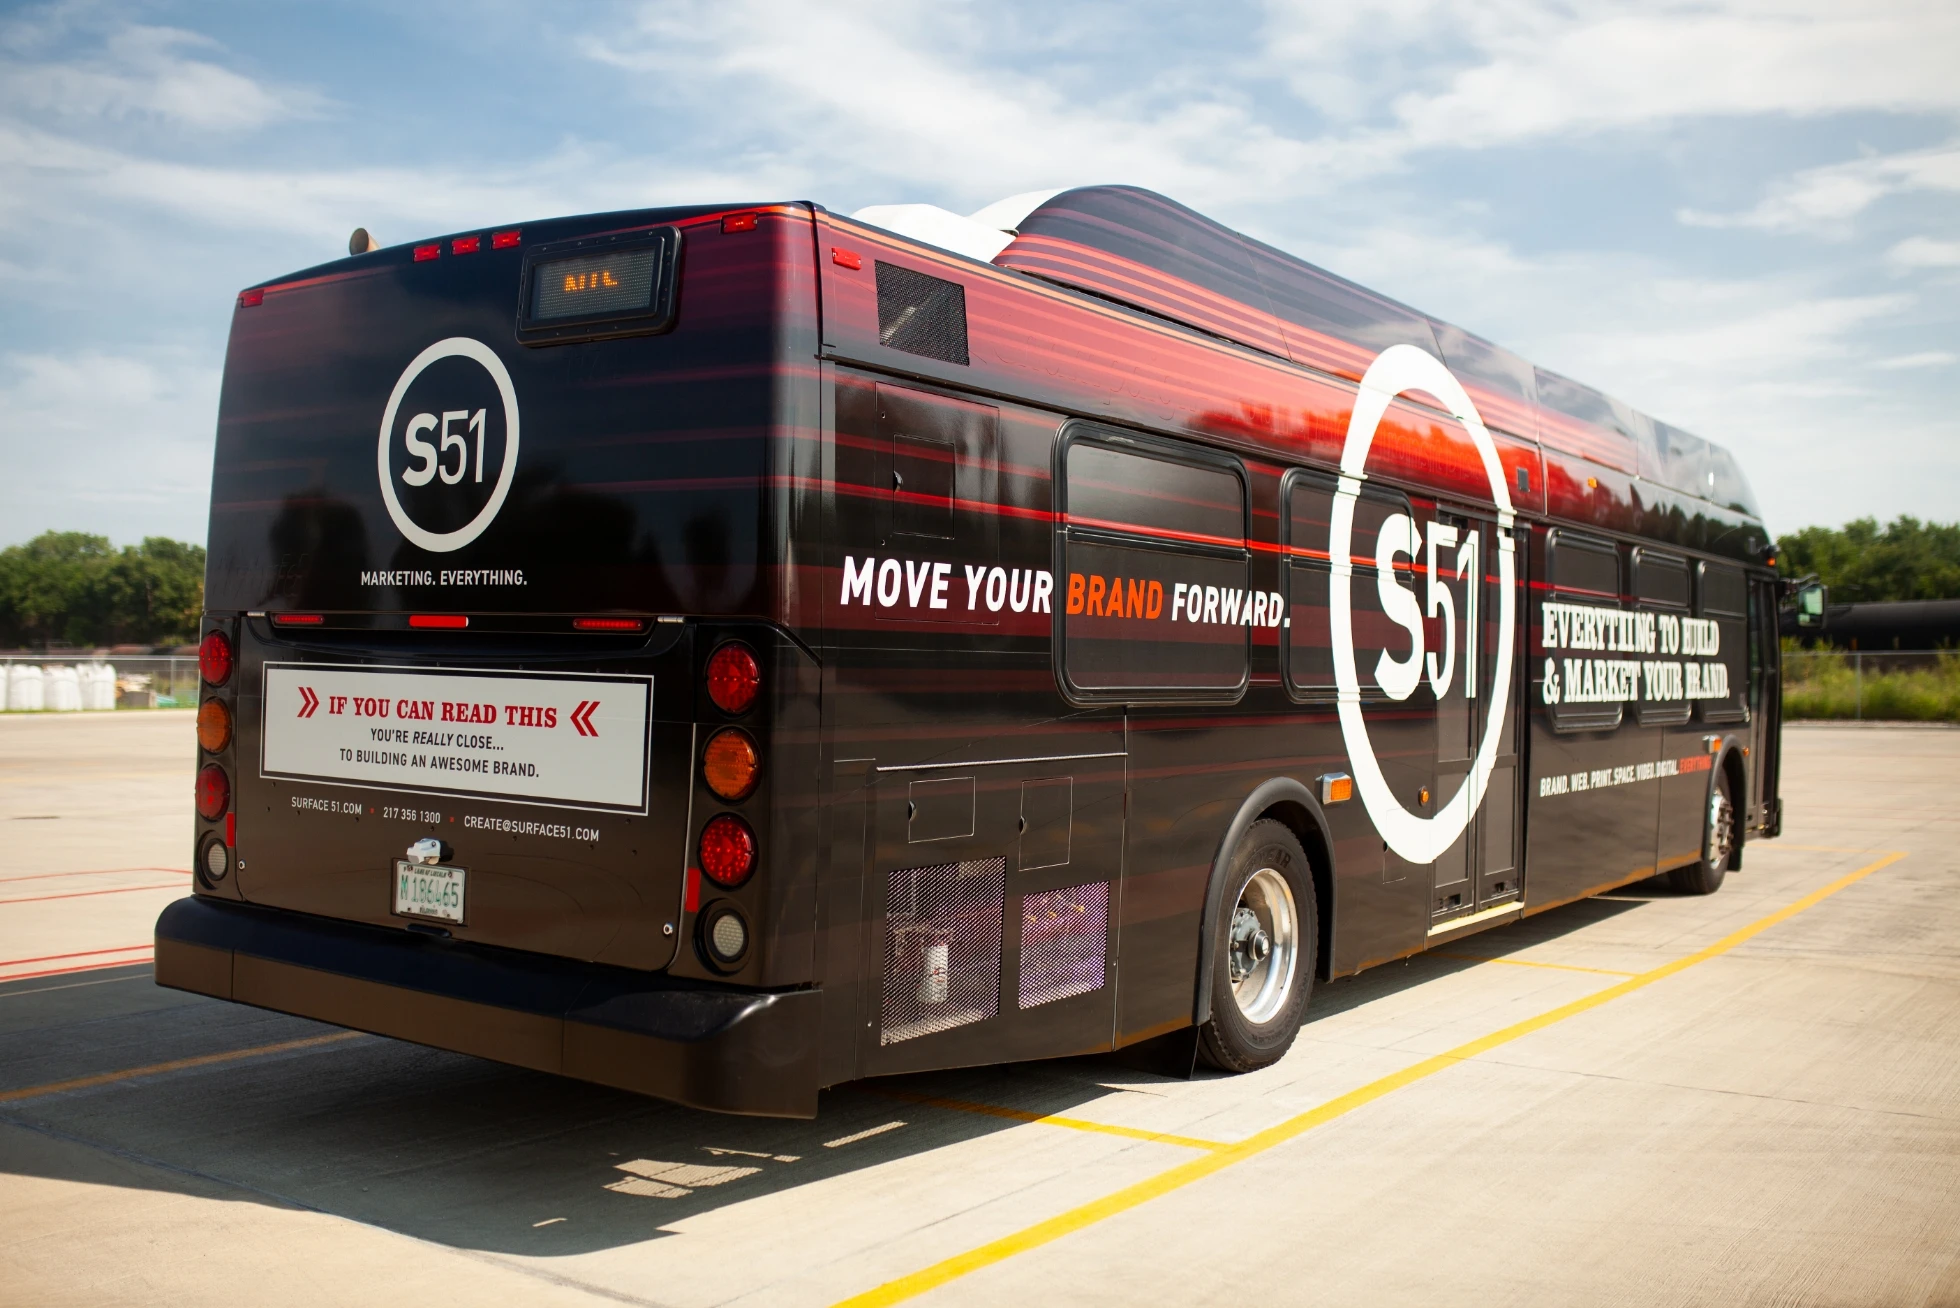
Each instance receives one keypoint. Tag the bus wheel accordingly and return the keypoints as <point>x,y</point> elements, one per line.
<point>1717,846</point>
<point>1263,952</point>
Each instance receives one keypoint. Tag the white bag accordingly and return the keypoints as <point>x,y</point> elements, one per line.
<point>64,689</point>
<point>25,692</point>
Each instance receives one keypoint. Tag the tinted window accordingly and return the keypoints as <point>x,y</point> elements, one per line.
<point>1134,490</point>
<point>1155,599</point>
<point>1579,564</point>
<point>1658,579</point>
<point>1721,651</point>
<point>1722,590</point>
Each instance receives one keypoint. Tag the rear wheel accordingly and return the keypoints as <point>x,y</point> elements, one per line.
<point>1263,951</point>
<point>1717,845</point>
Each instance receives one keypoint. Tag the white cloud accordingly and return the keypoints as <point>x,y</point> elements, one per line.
<point>113,443</point>
<point>1923,252</point>
<point>144,73</point>
<point>1516,70</point>
<point>1827,198</point>
<point>1924,359</point>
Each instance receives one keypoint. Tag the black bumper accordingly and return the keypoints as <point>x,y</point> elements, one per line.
<point>733,1051</point>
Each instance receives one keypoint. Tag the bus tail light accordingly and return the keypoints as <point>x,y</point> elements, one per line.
<point>214,659</point>
<point>730,764</point>
<point>214,792</point>
<point>727,851</point>
<point>734,678</point>
<point>438,621</point>
<point>609,624</point>
<point>213,725</point>
<point>299,619</point>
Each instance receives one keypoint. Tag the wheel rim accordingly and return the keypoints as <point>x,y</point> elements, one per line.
<point>1264,946</point>
<point>1721,829</point>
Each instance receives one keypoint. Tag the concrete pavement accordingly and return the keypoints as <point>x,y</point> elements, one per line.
<point>1647,1098</point>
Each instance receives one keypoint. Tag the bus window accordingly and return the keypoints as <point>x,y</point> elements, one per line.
<point>1719,652</point>
<point>1661,585</point>
<point>1308,637</point>
<point>1156,601</point>
<point>1584,573</point>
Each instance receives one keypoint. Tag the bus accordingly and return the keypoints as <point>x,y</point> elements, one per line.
<point>725,652</point>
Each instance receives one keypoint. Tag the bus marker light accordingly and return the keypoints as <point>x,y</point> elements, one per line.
<point>298,619</point>
<point>424,253</point>
<point>738,222</point>
<point>231,829</point>
<point>691,891</point>
<point>734,678</point>
<point>1336,788</point>
<point>214,659</point>
<point>727,850</point>
<point>846,258</point>
<point>251,299</point>
<point>608,624</point>
<point>213,725</point>
<point>466,245</point>
<point>504,240</point>
<point>730,764</point>
<point>438,621</point>
<point>213,792</point>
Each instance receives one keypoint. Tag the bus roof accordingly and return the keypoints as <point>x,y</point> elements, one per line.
<point>1148,251</point>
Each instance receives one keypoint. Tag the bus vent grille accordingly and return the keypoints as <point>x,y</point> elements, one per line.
<point>942,947</point>
<point>1062,936</point>
<point>921,314</point>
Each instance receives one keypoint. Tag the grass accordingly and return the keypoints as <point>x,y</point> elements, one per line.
<point>1826,685</point>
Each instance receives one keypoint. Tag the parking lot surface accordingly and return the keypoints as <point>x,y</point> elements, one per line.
<point>1648,1098</point>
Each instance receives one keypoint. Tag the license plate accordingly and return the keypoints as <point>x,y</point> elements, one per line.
<point>429,890</point>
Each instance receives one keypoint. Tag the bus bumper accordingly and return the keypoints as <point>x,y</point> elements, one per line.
<point>731,1051</point>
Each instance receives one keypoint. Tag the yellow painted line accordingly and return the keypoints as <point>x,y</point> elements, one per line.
<point>1053,1119</point>
<point>1096,1210</point>
<point>1525,962</point>
<point>174,1065</point>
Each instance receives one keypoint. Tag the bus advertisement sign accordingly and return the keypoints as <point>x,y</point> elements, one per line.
<point>569,742</point>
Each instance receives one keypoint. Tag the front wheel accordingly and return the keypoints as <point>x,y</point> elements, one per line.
<point>1717,845</point>
<point>1263,951</point>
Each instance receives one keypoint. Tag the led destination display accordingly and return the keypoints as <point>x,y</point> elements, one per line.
<point>588,284</point>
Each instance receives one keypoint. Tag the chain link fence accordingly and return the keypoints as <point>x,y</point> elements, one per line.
<point>1879,685</point>
<point>52,683</point>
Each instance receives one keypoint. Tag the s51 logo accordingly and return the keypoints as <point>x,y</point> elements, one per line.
<point>448,447</point>
<point>1416,838</point>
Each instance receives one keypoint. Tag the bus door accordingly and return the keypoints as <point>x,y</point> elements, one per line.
<point>1462,604</point>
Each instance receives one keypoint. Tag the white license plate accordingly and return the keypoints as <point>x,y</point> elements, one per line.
<point>427,890</point>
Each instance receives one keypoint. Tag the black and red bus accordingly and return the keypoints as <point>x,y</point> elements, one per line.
<point>725,652</point>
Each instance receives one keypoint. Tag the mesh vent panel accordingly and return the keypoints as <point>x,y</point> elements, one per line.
<point>921,314</point>
<point>942,947</point>
<point>1062,941</point>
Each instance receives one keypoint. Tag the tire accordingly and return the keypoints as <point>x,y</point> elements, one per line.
<point>1717,845</point>
<point>1259,991</point>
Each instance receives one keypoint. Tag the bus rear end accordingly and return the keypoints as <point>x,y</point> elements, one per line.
<point>503,717</point>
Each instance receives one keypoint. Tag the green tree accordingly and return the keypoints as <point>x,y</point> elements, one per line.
<point>72,588</point>
<point>1861,561</point>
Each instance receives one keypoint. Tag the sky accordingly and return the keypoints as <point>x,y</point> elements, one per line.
<point>1741,216</point>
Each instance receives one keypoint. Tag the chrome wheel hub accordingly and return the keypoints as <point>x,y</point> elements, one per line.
<point>1721,829</point>
<point>1264,946</point>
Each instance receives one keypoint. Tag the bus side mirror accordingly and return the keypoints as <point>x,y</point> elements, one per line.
<point>1810,604</point>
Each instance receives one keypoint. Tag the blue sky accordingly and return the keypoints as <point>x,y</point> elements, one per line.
<point>1743,218</point>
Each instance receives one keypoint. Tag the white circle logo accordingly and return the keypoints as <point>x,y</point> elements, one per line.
<point>1397,369</point>
<point>430,440</point>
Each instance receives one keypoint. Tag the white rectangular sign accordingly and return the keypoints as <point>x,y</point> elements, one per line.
<point>574,742</point>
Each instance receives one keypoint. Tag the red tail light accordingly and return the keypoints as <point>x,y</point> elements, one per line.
<point>251,299</point>
<point>298,619</point>
<point>214,659</point>
<point>214,792</point>
<point>466,245</point>
<point>734,678</point>
<point>738,222</point>
<point>727,850</point>
<point>423,253</point>
<point>504,240</point>
<point>608,624</point>
<point>440,621</point>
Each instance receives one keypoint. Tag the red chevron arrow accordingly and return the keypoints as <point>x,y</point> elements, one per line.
<point>582,718</point>
<point>312,701</point>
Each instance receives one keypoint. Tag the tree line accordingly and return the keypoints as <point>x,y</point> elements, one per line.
<point>71,588</point>
<point>1862,562</point>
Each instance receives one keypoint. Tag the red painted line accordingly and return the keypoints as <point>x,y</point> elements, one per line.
<point>85,894</point>
<point>64,971</point>
<point>80,953</point>
<point>95,872</point>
